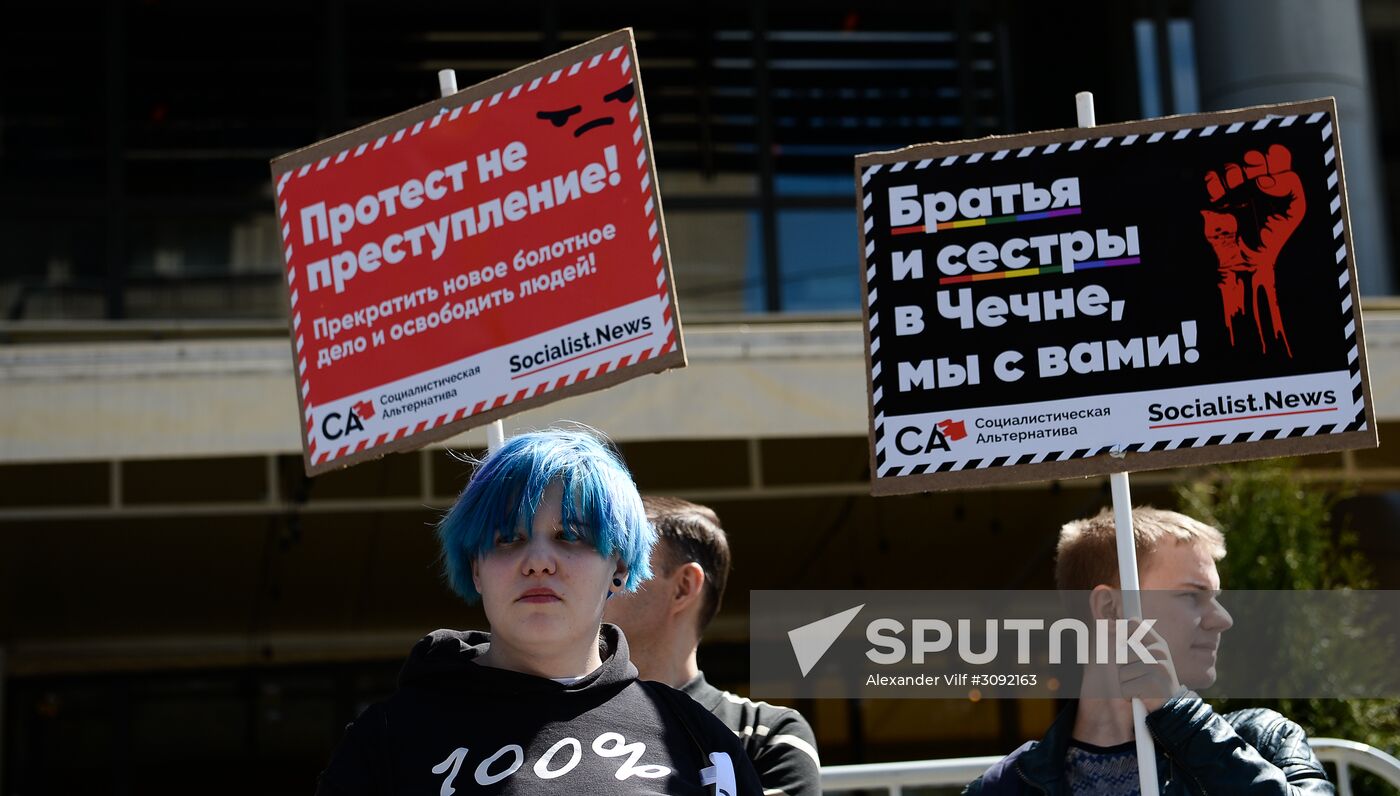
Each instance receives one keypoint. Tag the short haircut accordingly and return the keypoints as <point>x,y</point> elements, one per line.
<point>600,501</point>
<point>1087,554</point>
<point>691,533</point>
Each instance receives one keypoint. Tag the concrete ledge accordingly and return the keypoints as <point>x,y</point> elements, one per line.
<point>234,396</point>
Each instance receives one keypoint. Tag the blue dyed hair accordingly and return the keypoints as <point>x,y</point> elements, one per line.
<point>600,500</point>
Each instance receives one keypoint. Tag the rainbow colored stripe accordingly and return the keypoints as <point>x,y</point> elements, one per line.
<point>982,222</point>
<point>1049,269</point>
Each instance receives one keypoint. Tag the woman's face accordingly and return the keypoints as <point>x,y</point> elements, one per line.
<point>546,589</point>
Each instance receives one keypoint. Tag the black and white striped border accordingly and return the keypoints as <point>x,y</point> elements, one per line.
<point>871,294</point>
<point>1359,423</point>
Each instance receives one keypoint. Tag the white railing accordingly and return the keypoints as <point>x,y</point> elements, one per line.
<point>1348,754</point>
<point>894,777</point>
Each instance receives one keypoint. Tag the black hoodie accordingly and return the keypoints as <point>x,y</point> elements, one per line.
<point>455,725</point>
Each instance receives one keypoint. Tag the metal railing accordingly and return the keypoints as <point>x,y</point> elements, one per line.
<point>1346,755</point>
<point>893,778</point>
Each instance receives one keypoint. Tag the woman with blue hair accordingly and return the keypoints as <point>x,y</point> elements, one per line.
<point>548,528</point>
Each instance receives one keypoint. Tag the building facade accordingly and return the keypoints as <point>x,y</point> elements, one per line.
<point>177,597</point>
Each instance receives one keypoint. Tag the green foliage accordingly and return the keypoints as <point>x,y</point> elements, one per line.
<point>1277,530</point>
<point>1279,535</point>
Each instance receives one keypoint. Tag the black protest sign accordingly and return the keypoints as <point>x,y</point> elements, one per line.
<point>1124,297</point>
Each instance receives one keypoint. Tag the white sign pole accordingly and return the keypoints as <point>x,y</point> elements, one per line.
<point>1132,609</point>
<point>495,432</point>
<point>1127,556</point>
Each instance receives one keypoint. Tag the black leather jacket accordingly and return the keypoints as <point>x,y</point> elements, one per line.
<point>1198,752</point>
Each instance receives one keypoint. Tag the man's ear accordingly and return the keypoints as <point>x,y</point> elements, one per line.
<point>620,572</point>
<point>1106,602</point>
<point>687,586</point>
<point>476,576</point>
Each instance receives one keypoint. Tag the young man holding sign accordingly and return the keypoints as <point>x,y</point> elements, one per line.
<point>1090,747</point>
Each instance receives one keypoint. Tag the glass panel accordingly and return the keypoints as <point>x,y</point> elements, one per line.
<point>1181,46</point>
<point>819,260</point>
<point>1186,93</point>
<point>1149,91</point>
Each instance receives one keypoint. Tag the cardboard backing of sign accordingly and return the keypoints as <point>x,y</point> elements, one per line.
<point>476,256</point>
<point>1183,294</point>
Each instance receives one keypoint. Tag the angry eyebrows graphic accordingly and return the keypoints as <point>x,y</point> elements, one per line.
<point>561,117</point>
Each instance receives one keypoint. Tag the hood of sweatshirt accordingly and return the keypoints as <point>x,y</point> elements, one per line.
<point>448,660</point>
<point>455,724</point>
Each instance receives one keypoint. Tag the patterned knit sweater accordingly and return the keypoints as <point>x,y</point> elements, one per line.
<point>1102,770</point>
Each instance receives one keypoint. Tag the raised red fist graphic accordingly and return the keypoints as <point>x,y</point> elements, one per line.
<point>1247,272</point>
<point>363,410</point>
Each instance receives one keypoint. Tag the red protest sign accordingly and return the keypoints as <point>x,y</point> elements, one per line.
<point>476,256</point>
